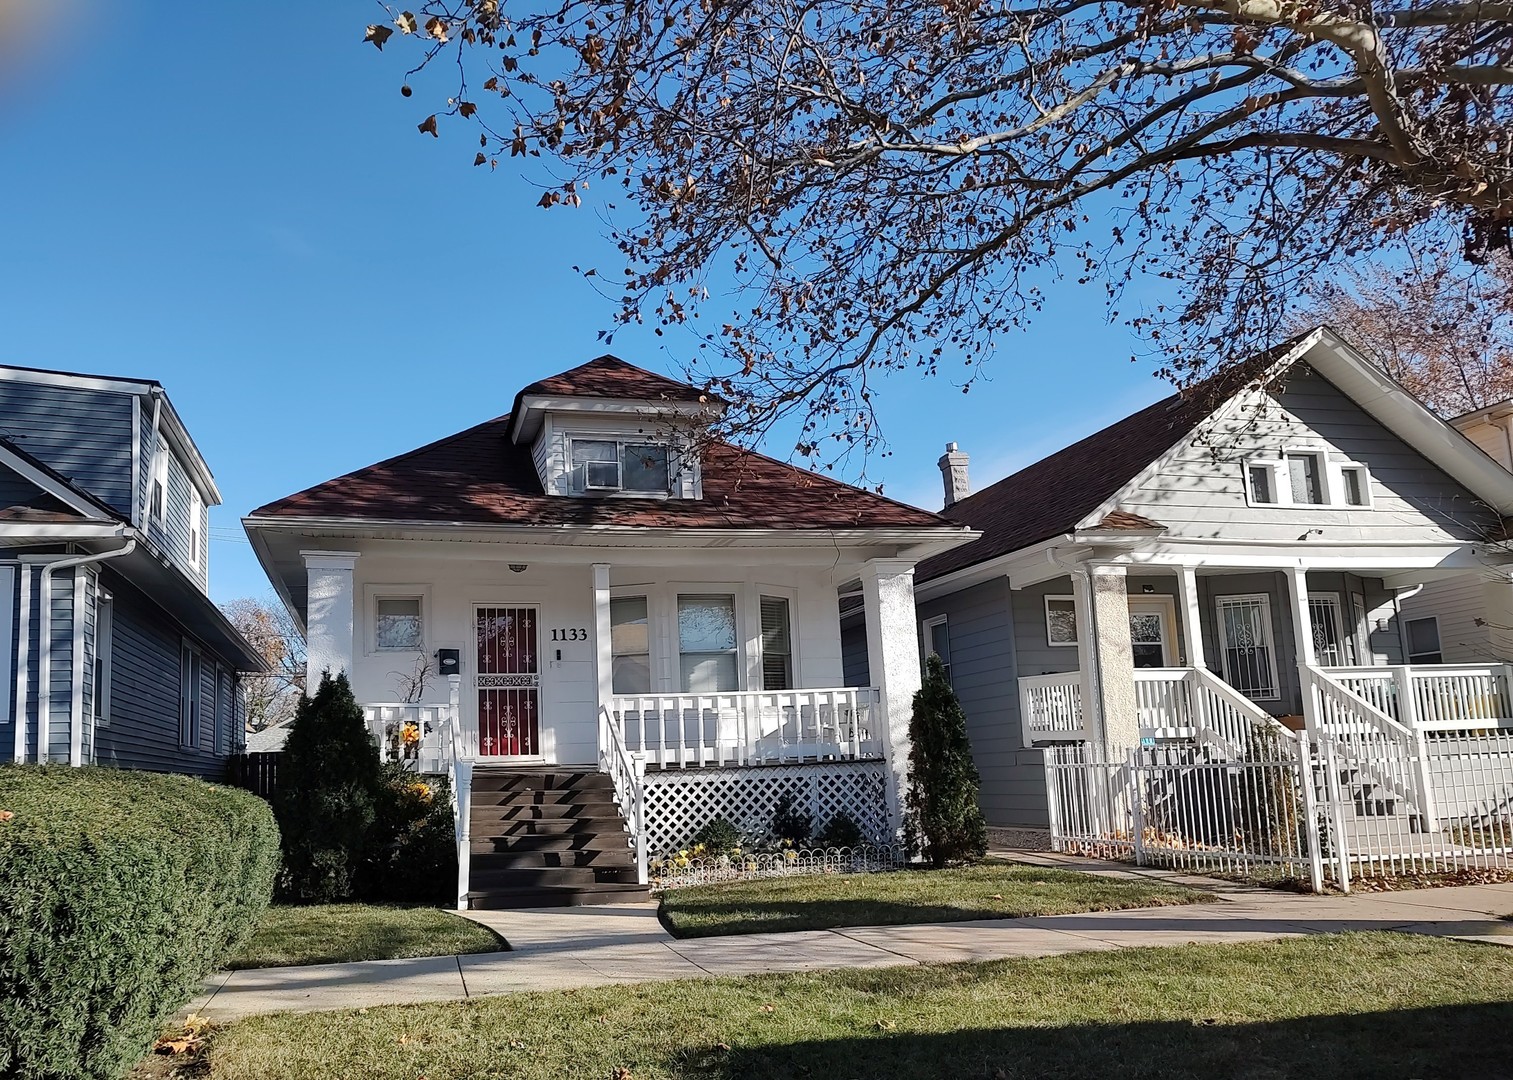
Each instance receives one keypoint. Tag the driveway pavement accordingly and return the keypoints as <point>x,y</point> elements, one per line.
<point>561,948</point>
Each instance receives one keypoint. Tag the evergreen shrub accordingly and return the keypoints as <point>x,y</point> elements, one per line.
<point>942,821</point>
<point>119,892</point>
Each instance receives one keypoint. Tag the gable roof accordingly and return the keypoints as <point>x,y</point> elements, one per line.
<point>480,476</point>
<point>1052,496</point>
<point>54,484</point>
<point>610,377</point>
<point>1056,494</point>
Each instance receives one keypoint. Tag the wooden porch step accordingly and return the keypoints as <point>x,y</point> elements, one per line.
<point>612,839</point>
<point>494,827</point>
<point>590,858</point>
<point>530,877</point>
<point>520,805</point>
<point>559,896</point>
<point>487,778</point>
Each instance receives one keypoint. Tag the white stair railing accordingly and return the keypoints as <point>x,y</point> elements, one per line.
<point>1360,731</point>
<point>1443,697</point>
<point>1230,718</point>
<point>627,771</point>
<point>1050,708</point>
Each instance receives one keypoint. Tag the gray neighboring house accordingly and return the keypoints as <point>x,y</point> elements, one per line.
<point>1160,569</point>
<point>114,653</point>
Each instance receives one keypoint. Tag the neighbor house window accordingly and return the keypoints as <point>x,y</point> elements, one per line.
<point>629,644</point>
<point>196,511</point>
<point>611,465</point>
<point>1423,641</point>
<point>104,623</point>
<point>1353,478</point>
<point>937,641</point>
<point>707,644</point>
<point>777,645</point>
<point>1060,620</point>
<point>1305,474</point>
<point>397,622</point>
<point>190,677</point>
<point>1262,484</point>
<point>159,484</point>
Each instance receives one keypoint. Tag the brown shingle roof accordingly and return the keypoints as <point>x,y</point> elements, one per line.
<point>610,377</point>
<point>1050,497</point>
<point>479,476</point>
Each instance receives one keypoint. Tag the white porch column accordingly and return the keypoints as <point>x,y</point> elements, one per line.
<point>1192,617</point>
<point>329,643</point>
<point>1114,666</point>
<point>604,659</point>
<point>893,660</point>
<point>1302,638</point>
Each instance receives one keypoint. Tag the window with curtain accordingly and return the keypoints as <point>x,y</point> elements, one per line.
<point>777,645</point>
<point>629,643</point>
<point>396,622</point>
<point>707,644</point>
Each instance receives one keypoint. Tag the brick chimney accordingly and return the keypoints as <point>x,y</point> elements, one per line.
<point>953,473</point>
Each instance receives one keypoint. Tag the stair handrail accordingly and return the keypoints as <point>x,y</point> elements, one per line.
<point>627,772</point>
<point>1205,679</point>
<point>1414,784</point>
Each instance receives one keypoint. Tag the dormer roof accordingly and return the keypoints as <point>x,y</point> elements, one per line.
<point>608,384</point>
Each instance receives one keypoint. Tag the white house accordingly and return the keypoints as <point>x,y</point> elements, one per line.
<point>604,622</point>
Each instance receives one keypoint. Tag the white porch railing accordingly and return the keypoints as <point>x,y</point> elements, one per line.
<point>1436,697</point>
<point>628,772</point>
<point>1050,707</point>
<point>1195,703</point>
<point>749,728</point>
<point>391,725</point>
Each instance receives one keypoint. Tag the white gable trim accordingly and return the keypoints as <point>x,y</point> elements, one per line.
<point>1376,393</point>
<point>62,492</point>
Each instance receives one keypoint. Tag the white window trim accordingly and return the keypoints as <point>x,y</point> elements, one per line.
<point>159,513</point>
<point>1046,604</point>
<point>1271,640</point>
<point>1332,597</point>
<point>1331,480</point>
<point>191,719</point>
<point>104,638</point>
<point>371,593</point>
<point>757,649</point>
<point>632,592</point>
<point>621,440</point>
<point>196,522</point>
<point>1408,639</point>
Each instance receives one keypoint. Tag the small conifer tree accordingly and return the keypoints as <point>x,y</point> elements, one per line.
<point>942,820</point>
<point>329,783</point>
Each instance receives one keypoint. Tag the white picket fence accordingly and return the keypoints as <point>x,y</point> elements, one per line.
<point>1315,811</point>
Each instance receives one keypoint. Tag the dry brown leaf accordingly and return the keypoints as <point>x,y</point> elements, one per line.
<point>428,127</point>
<point>378,34</point>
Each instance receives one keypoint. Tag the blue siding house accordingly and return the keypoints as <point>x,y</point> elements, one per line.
<point>114,653</point>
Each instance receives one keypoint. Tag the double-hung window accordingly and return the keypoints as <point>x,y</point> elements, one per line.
<point>608,465</point>
<point>1423,641</point>
<point>159,491</point>
<point>777,644</point>
<point>937,641</point>
<point>707,652</point>
<point>630,645</point>
<point>191,676</point>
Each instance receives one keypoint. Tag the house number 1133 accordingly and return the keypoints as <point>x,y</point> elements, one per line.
<point>572,633</point>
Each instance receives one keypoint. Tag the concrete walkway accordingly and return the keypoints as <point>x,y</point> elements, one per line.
<point>561,948</point>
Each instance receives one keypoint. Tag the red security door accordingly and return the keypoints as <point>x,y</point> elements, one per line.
<point>509,682</point>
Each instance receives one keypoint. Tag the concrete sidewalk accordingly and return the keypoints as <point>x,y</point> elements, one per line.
<point>561,948</point>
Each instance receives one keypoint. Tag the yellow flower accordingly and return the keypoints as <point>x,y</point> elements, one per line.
<point>409,733</point>
<point>791,856</point>
<point>420,790</point>
<point>683,853</point>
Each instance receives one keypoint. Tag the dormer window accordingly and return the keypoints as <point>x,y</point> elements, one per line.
<point>604,466</point>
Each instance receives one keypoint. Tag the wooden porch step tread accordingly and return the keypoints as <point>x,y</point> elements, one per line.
<point>563,896</point>
<point>580,858</point>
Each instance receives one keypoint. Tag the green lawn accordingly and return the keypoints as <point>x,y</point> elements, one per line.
<point>989,890</point>
<point>1377,1005</point>
<point>336,933</point>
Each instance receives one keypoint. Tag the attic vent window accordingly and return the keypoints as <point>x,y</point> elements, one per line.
<point>608,465</point>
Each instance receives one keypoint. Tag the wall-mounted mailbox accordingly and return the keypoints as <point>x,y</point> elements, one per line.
<point>449,661</point>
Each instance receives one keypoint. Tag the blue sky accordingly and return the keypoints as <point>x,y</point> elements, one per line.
<point>238,204</point>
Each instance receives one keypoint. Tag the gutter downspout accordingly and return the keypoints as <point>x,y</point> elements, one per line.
<point>1398,596</point>
<point>45,647</point>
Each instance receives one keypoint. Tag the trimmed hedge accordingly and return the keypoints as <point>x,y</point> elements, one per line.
<point>119,892</point>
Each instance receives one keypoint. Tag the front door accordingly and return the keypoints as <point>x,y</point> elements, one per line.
<point>1151,623</point>
<point>508,679</point>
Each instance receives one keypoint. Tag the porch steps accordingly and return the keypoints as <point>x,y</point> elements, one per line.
<point>547,838</point>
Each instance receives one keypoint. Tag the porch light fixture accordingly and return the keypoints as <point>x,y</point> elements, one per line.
<point>1147,588</point>
<point>518,567</point>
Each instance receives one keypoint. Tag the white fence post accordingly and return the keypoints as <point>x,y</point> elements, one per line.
<point>1311,835</point>
<point>1136,809</point>
<point>1337,840</point>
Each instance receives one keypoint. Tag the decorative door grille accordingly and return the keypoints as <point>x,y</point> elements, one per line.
<point>508,682</point>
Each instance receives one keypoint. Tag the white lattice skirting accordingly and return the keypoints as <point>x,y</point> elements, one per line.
<point>680,802</point>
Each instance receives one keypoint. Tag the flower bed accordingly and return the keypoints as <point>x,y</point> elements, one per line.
<point>699,866</point>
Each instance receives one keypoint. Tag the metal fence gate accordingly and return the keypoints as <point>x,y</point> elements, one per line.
<point>1316,812</point>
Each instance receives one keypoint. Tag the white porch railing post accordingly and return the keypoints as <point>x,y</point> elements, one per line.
<point>462,777</point>
<point>638,770</point>
<point>1407,715</point>
<point>1311,835</point>
<point>1136,807</point>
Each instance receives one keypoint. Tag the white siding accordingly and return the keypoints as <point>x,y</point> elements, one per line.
<point>1457,603</point>
<point>552,455</point>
